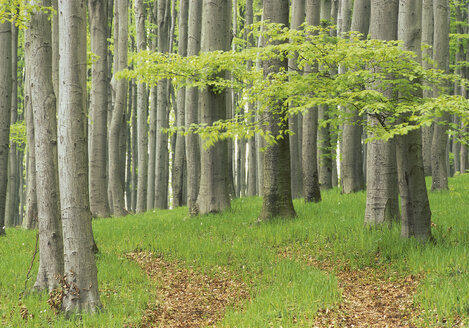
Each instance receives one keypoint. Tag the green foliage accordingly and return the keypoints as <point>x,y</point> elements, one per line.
<point>18,134</point>
<point>19,11</point>
<point>373,70</point>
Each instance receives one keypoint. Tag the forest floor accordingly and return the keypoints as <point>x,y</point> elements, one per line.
<point>322,269</point>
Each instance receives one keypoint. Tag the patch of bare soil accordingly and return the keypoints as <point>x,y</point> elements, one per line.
<point>185,297</point>
<point>370,297</point>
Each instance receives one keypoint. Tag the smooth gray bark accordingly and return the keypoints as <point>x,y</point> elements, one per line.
<point>116,164</point>
<point>441,12</point>
<point>427,40</point>
<point>162,113</point>
<point>311,189</point>
<point>213,193</point>
<point>5,107</point>
<point>277,197</point>
<point>416,214</point>
<point>191,109</point>
<point>79,261</point>
<point>142,115</point>
<point>99,104</point>
<point>382,204</point>
<point>38,51</point>
<point>180,156</point>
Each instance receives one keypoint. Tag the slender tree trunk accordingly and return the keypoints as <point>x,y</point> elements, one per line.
<point>416,214</point>
<point>298,18</point>
<point>352,155</point>
<point>382,204</point>
<point>252,149</point>
<point>441,58</point>
<point>38,53</point>
<point>311,190</point>
<point>5,106</point>
<point>99,104</point>
<point>277,197</point>
<point>162,113</point>
<point>118,115</point>
<point>213,193</point>
<point>180,158</point>
<point>142,115</point>
<point>134,147</point>
<point>191,109</point>
<point>80,265</point>
<point>427,39</point>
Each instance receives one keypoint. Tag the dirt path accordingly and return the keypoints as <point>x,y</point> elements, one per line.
<point>370,297</point>
<point>185,297</point>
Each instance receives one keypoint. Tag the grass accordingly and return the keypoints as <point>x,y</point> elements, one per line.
<point>283,290</point>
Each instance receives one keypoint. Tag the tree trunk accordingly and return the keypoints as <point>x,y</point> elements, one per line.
<point>38,54</point>
<point>382,204</point>
<point>416,214</point>
<point>142,115</point>
<point>353,179</point>
<point>213,193</point>
<point>298,18</point>
<point>277,197</point>
<point>162,113</point>
<point>191,109</point>
<point>118,115</point>
<point>311,189</point>
<point>441,58</point>
<point>80,265</point>
<point>5,106</point>
<point>427,39</point>
<point>180,158</point>
<point>252,149</point>
<point>99,103</point>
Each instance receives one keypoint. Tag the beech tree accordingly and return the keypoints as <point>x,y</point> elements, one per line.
<point>38,49</point>
<point>79,262</point>
<point>5,105</point>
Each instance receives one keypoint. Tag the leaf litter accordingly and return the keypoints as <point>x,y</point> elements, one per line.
<point>186,297</point>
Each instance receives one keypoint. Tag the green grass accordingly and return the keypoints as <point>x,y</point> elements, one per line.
<point>281,289</point>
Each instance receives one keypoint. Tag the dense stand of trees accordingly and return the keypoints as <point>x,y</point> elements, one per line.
<point>110,153</point>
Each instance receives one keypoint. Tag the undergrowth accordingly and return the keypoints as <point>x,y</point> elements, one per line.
<point>284,291</point>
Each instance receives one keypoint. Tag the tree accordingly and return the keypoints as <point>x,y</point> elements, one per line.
<point>213,192</point>
<point>99,105</point>
<point>381,178</point>
<point>118,115</point>
<point>352,151</point>
<point>162,113</point>
<point>38,51</point>
<point>191,108</point>
<point>79,262</point>
<point>5,106</point>
<point>416,214</point>
<point>441,58</point>
<point>311,189</point>
<point>142,115</point>
<point>277,197</point>
<point>180,158</point>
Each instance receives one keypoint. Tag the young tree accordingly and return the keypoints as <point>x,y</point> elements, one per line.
<point>191,108</point>
<point>38,53</point>
<point>142,115</point>
<point>118,115</point>
<point>382,204</point>
<point>213,193</point>
<point>277,197</point>
<point>311,190</point>
<point>79,262</point>
<point>441,58</point>
<point>5,105</point>
<point>416,215</point>
<point>99,104</point>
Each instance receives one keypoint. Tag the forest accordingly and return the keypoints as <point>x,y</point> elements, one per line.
<point>234,163</point>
